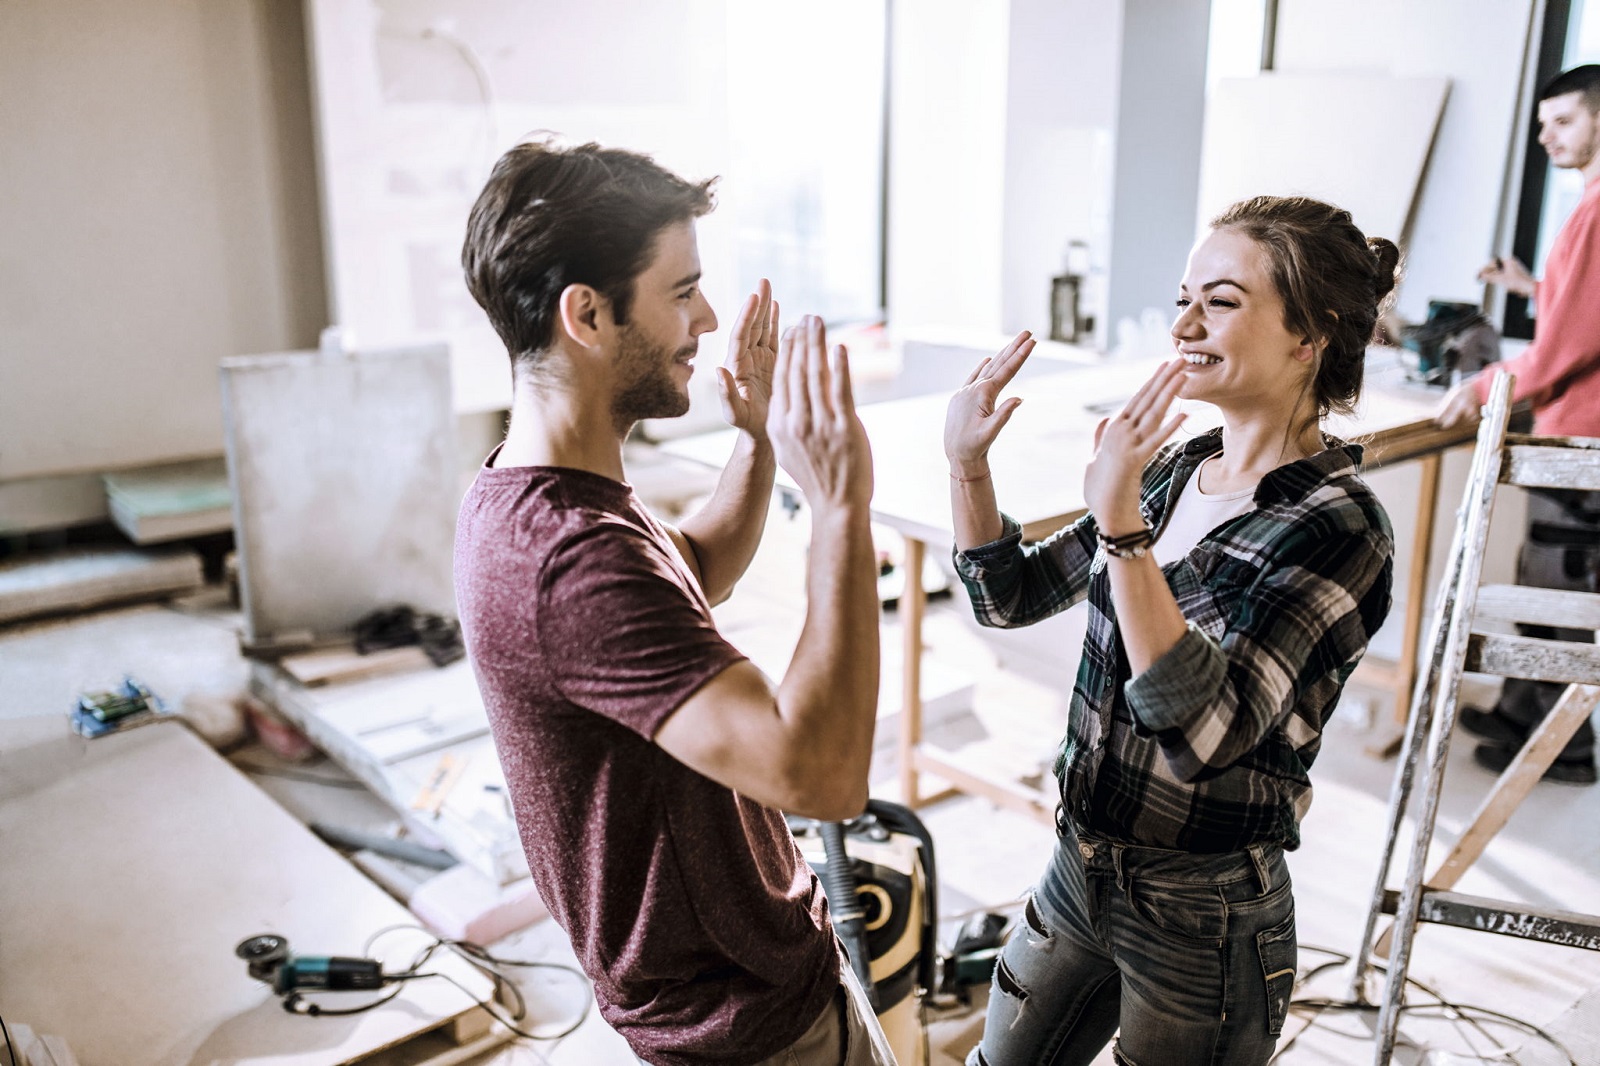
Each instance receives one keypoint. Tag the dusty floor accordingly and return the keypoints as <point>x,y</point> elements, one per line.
<point>1549,856</point>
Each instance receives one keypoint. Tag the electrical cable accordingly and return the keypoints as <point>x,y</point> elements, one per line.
<point>11,1050</point>
<point>476,956</point>
<point>1454,1011</point>
<point>292,1001</point>
<point>481,959</point>
<point>509,1024</point>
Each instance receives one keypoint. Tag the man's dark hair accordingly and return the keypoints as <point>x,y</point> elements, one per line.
<point>1584,79</point>
<point>550,217</point>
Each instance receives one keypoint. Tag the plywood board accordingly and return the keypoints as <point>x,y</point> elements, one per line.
<point>391,731</point>
<point>170,501</point>
<point>1356,140</point>
<point>77,579</point>
<point>344,485</point>
<point>148,849</point>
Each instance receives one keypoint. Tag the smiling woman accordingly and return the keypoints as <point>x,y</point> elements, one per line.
<point>1234,580</point>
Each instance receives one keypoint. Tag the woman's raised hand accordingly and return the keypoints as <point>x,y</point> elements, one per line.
<point>1124,444</point>
<point>975,416</point>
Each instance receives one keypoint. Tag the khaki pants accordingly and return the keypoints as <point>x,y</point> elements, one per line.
<point>846,1034</point>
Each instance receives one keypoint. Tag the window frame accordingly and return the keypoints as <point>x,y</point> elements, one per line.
<point>1515,320</point>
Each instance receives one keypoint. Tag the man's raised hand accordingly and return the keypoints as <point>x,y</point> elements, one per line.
<point>744,380</point>
<point>812,420</point>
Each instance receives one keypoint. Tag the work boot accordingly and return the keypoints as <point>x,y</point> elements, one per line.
<point>1565,770</point>
<point>1494,726</point>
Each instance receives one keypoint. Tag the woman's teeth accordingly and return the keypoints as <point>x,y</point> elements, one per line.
<point>1200,359</point>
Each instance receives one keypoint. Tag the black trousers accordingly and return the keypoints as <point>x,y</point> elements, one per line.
<point>1561,551</point>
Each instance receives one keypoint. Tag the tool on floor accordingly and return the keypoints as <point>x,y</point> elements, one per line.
<point>974,955</point>
<point>446,773</point>
<point>130,704</point>
<point>268,959</point>
<point>403,625</point>
<point>879,873</point>
<point>1468,635</point>
<point>405,850</point>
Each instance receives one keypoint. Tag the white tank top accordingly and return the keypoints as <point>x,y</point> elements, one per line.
<point>1197,513</point>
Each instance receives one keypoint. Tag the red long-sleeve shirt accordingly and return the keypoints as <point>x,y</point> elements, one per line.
<point>1560,370</point>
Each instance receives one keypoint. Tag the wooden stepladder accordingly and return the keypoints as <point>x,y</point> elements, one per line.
<point>1459,643</point>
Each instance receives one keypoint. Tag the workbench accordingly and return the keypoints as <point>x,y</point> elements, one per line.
<point>1038,464</point>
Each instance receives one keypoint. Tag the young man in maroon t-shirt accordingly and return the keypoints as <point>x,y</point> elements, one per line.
<point>647,759</point>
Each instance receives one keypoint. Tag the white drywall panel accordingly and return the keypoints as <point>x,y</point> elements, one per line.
<point>1269,135</point>
<point>345,485</point>
<point>1478,45</point>
<point>416,99</point>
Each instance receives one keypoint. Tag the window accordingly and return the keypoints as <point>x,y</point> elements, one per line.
<point>806,124</point>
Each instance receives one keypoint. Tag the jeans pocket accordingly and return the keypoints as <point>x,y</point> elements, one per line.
<point>1191,914</point>
<point>1277,949</point>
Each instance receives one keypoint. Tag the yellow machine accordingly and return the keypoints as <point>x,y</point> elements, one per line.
<point>891,873</point>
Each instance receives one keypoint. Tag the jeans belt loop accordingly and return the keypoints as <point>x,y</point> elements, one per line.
<point>1118,854</point>
<point>1263,875</point>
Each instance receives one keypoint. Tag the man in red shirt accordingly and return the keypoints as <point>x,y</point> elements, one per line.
<point>648,761</point>
<point>1560,374</point>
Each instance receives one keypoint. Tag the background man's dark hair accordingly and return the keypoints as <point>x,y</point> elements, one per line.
<point>1584,79</point>
<point>550,217</point>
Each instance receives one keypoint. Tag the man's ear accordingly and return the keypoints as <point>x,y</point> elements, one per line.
<point>584,314</point>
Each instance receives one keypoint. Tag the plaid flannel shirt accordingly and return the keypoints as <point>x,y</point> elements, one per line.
<point>1209,749</point>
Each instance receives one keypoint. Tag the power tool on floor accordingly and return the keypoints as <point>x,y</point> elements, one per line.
<point>879,873</point>
<point>882,865</point>
<point>268,958</point>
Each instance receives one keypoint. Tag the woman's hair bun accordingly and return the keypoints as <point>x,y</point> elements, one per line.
<point>1388,264</point>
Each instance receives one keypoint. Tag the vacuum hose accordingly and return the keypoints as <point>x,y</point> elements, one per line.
<point>849,920</point>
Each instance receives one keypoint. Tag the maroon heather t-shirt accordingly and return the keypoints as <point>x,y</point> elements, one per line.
<point>689,906</point>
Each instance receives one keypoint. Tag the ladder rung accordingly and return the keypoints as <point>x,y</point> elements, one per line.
<point>1503,655</point>
<point>1545,607</point>
<point>1551,465</point>
<point>1533,439</point>
<point>1568,928</point>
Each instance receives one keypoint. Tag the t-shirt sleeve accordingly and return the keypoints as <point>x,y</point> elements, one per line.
<point>623,628</point>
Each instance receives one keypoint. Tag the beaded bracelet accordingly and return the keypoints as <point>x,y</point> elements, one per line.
<point>1128,546</point>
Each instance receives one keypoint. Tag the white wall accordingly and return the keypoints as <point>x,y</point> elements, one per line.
<point>159,210</point>
<point>1060,79</point>
<point>1012,120</point>
<point>1160,117</point>
<point>1478,45</point>
<point>947,142</point>
<point>407,135</point>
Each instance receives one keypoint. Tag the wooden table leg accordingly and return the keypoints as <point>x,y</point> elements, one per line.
<point>911,604</point>
<point>1405,674</point>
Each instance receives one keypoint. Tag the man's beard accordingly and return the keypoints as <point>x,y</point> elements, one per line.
<point>649,388</point>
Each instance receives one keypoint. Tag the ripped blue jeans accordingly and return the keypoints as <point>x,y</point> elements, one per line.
<point>1191,957</point>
